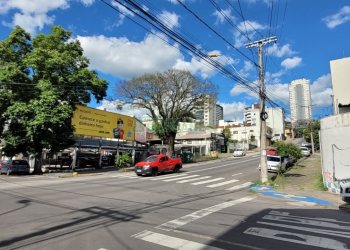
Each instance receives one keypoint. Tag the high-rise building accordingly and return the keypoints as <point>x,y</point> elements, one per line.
<point>207,114</point>
<point>300,101</point>
<point>341,85</point>
<point>275,121</point>
<point>219,114</point>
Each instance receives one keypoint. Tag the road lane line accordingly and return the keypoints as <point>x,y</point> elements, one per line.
<point>236,174</point>
<point>172,242</point>
<point>182,177</point>
<point>195,179</point>
<point>296,238</point>
<point>244,185</point>
<point>201,213</point>
<point>208,181</point>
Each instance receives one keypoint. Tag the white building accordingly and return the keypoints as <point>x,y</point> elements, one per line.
<point>300,100</point>
<point>275,121</point>
<point>208,113</point>
<point>340,71</point>
<point>251,115</point>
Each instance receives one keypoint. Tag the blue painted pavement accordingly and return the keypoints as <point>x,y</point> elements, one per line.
<point>269,191</point>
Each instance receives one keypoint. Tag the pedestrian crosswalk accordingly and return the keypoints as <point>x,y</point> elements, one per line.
<point>193,179</point>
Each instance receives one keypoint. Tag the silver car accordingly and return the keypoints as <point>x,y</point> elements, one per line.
<point>239,152</point>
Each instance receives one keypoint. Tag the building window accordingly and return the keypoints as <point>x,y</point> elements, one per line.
<point>251,130</point>
<point>235,132</point>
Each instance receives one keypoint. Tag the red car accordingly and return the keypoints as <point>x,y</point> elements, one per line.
<point>156,164</point>
<point>271,151</point>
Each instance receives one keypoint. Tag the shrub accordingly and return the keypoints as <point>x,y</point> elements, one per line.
<point>123,161</point>
<point>288,149</point>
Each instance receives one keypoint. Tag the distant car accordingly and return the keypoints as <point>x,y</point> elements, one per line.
<point>305,151</point>
<point>239,152</point>
<point>271,151</point>
<point>15,167</point>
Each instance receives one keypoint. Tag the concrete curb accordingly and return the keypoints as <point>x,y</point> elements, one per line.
<point>345,207</point>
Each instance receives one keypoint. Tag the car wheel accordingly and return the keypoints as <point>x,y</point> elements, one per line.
<point>139,174</point>
<point>176,169</point>
<point>346,199</point>
<point>155,172</point>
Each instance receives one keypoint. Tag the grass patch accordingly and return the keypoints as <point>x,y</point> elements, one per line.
<point>270,182</point>
<point>318,183</point>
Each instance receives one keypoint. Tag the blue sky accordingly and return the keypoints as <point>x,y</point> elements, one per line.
<point>309,34</point>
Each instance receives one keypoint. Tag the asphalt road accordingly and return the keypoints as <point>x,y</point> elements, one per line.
<point>206,206</point>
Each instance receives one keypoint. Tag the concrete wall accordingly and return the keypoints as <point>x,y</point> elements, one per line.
<point>335,150</point>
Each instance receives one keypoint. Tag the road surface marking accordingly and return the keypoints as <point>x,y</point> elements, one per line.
<point>165,177</point>
<point>181,177</point>
<point>200,214</point>
<point>212,180</point>
<point>172,242</point>
<point>296,238</point>
<point>310,229</point>
<point>236,174</point>
<point>221,183</point>
<point>244,185</point>
<point>195,179</point>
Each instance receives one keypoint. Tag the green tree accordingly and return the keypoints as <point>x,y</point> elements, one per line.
<point>170,97</point>
<point>227,133</point>
<point>44,77</point>
<point>315,127</point>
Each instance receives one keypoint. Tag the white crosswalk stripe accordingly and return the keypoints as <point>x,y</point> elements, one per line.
<point>171,242</point>
<point>237,187</point>
<point>157,178</point>
<point>221,183</point>
<point>208,181</point>
<point>194,179</point>
<point>182,177</point>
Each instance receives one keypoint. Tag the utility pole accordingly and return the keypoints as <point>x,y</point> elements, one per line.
<point>263,114</point>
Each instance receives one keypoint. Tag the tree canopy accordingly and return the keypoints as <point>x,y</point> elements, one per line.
<point>170,97</point>
<point>41,80</point>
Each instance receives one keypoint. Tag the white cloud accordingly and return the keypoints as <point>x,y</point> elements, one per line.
<point>233,111</point>
<point>249,29</point>
<point>169,19</point>
<point>195,66</point>
<point>32,15</point>
<point>291,63</point>
<point>37,6</point>
<point>277,51</point>
<point>221,17</point>
<point>124,58</point>
<point>321,91</point>
<point>30,22</point>
<point>87,2</point>
<point>339,18</point>
<point>278,92</point>
<point>127,109</point>
<point>239,89</point>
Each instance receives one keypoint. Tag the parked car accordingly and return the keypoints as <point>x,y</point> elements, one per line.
<point>271,151</point>
<point>345,190</point>
<point>156,164</point>
<point>239,152</point>
<point>276,163</point>
<point>305,151</point>
<point>15,166</point>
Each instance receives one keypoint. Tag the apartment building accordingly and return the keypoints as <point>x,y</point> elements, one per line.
<point>300,100</point>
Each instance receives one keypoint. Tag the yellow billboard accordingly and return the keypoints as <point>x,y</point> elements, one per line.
<point>99,123</point>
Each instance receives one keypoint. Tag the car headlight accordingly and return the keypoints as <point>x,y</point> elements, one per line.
<point>146,167</point>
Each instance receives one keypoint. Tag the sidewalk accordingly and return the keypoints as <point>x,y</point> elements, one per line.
<point>304,179</point>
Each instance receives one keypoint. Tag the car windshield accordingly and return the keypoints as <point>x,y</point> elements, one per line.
<point>151,159</point>
<point>276,159</point>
